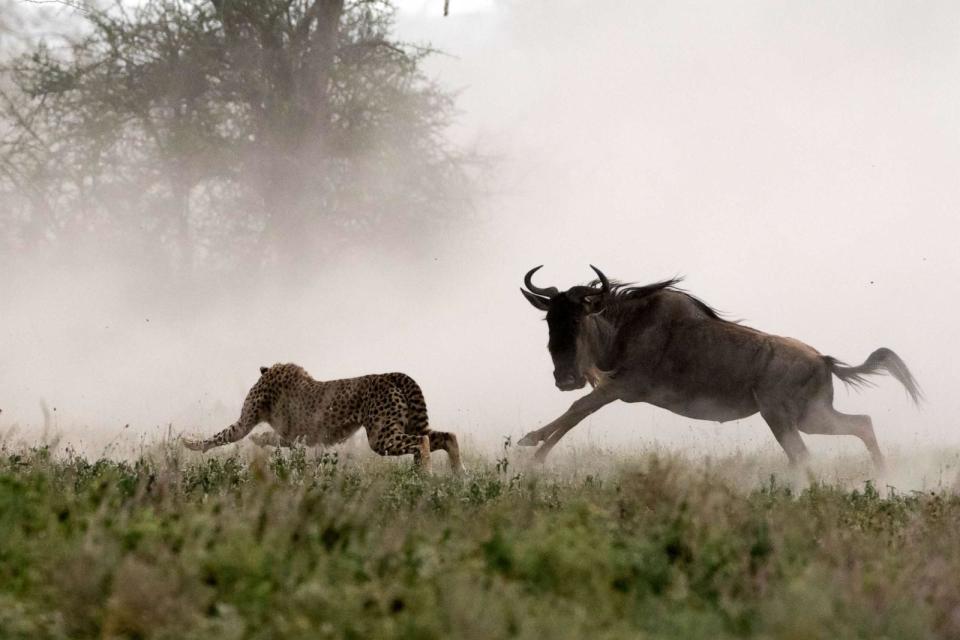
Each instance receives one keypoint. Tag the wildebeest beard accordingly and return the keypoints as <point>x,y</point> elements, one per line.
<point>594,346</point>
<point>579,343</point>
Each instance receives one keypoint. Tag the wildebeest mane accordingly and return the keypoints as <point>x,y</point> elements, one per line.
<point>625,292</point>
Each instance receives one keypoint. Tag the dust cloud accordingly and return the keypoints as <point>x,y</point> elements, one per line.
<point>797,163</point>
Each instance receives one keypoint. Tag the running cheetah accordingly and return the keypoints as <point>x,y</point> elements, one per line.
<point>390,406</point>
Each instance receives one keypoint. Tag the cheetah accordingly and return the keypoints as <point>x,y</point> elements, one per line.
<point>389,406</point>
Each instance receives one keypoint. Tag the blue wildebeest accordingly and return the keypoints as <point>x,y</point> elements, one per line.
<point>660,345</point>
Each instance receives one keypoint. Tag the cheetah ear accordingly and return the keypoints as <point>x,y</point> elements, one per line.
<point>263,370</point>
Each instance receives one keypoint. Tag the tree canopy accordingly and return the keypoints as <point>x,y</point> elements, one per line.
<point>208,132</point>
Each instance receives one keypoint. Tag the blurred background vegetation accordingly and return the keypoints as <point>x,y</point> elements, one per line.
<point>201,134</point>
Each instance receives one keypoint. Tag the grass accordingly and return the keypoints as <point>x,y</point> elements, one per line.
<point>303,545</point>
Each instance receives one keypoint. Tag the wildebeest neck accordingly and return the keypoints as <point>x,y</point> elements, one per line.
<point>594,345</point>
<point>628,312</point>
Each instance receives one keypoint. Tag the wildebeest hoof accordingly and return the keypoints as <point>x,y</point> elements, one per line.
<point>532,439</point>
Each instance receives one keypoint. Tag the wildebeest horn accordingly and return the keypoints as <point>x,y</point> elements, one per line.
<point>581,292</point>
<point>604,283</point>
<point>549,292</point>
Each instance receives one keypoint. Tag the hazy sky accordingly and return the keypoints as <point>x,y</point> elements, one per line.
<point>798,162</point>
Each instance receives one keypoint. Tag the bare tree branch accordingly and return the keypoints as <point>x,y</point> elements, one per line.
<point>77,5</point>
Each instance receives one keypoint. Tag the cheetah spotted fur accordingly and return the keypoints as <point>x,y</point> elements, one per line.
<point>389,406</point>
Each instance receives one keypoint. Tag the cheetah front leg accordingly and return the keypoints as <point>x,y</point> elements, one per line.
<point>234,432</point>
<point>250,417</point>
<point>270,439</point>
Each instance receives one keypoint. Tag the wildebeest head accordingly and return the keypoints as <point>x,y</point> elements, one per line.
<point>566,313</point>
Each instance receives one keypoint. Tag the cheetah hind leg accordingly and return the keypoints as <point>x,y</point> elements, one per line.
<point>394,442</point>
<point>447,442</point>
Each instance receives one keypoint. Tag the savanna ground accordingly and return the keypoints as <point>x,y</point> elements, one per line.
<point>304,544</point>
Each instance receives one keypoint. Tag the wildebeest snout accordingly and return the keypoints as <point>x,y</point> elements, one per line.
<point>568,380</point>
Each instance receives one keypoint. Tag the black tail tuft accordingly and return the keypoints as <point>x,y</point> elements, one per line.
<point>882,360</point>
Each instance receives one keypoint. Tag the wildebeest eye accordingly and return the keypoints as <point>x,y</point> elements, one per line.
<point>593,305</point>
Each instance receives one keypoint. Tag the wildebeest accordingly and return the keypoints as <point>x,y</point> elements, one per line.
<point>659,344</point>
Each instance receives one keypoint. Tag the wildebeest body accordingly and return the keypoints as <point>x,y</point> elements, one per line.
<point>659,345</point>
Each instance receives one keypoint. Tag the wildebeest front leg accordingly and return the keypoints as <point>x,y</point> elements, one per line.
<point>579,410</point>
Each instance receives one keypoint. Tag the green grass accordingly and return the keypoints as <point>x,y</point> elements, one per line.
<point>312,546</point>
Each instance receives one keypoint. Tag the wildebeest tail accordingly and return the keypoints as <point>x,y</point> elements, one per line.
<point>882,360</point>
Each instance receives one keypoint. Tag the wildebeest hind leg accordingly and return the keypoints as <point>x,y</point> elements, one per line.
<point>822,418</point>
<point>785,431</point>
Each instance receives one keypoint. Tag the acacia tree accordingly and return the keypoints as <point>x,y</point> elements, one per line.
<point>231,128</point>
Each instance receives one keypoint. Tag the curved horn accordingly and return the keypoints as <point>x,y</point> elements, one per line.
<point>604,283</point>
<point>580,292</point>
<point>549,292</point>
